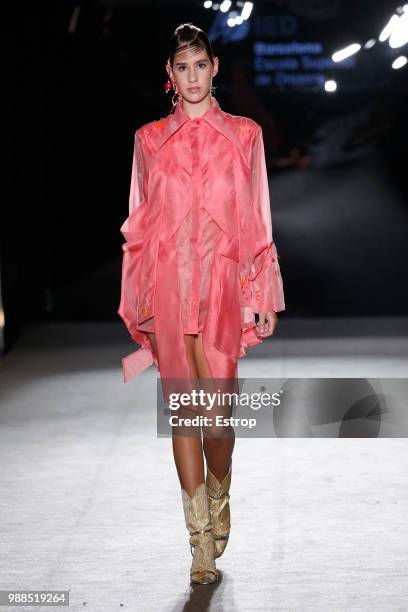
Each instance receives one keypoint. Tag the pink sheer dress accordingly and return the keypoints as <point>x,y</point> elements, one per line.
<point>196,239</point>
<point>198,178</point>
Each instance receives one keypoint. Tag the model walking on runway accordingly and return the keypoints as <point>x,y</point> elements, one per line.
<point>199,261</point>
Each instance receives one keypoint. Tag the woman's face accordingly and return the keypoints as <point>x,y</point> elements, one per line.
<point>192,72</point>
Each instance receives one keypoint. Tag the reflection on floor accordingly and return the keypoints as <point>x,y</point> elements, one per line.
<point>90,500</point>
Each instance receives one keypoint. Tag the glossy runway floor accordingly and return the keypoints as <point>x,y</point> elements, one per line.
<point>91,503</point>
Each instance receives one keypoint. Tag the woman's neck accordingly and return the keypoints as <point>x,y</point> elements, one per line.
<point>193,110</point>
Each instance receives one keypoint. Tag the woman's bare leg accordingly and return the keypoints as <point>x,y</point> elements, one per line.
<point>218,449</point>
<point>187,451</point>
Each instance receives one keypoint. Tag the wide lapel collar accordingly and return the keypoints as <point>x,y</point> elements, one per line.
<point>216,117</point>
<point>170,125</point>
<point>223,123</point>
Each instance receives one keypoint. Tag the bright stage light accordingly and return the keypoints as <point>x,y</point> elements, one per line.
<point>247,10</point>
<point>339,56</point>
<point>399,33</point>
<point>386,32</point>
<point>399,62</point>
<point>330,86</point>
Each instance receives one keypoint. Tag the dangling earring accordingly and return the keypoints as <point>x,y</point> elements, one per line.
<point>167,86</point>
<point>179,97</point>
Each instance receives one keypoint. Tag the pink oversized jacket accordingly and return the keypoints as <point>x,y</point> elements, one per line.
<point>245,275</point>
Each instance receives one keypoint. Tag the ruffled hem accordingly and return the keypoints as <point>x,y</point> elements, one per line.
<point>134,363</point>
<point>249,338</point>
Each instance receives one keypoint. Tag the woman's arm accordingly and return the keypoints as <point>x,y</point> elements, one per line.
<point>136,184</point>
<point>265,279</point>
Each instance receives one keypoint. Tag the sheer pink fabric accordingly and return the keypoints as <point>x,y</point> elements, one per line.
<point>202,185</point>
<point>193,272</point>
<point>197,238</point>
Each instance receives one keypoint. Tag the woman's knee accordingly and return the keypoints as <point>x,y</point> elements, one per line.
<point>218,438</point>
<point>218,429</point>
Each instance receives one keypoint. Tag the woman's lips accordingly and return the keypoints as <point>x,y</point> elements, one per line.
<point>194,89</point>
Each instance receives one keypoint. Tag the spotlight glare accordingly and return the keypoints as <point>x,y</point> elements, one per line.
<point>247,10</point>
<point>330,86</point>
<point>339,56</point>
<point>208,4</point>
<point>399,62</point>
<point>399,34</point>
<point>225,5</point>
<point>370,43</point>
<point>386,32</point>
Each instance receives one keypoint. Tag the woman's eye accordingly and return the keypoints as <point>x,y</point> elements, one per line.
<point>202,65</point>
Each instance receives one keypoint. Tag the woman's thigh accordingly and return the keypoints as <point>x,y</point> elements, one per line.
<point>203,367</point>
<point>189,343</point>
<point>220,406</point>
<point>183,411</point>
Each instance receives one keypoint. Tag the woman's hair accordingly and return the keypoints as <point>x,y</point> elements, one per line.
<point>188,36</point>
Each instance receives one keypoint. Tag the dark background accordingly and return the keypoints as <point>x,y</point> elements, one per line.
<point>83,77</point>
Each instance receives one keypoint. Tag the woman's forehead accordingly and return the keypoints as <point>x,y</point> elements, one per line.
<point>191,54</point>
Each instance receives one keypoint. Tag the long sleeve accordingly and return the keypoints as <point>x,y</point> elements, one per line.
<point>133,230</point>
<point>265,279</point>
<point>136,185</point>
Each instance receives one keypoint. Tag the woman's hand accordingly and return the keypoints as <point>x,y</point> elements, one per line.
<point>266,324</point>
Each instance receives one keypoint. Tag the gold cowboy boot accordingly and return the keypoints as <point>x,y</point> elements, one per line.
<point>197,516</point>
<point>218,503</point>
